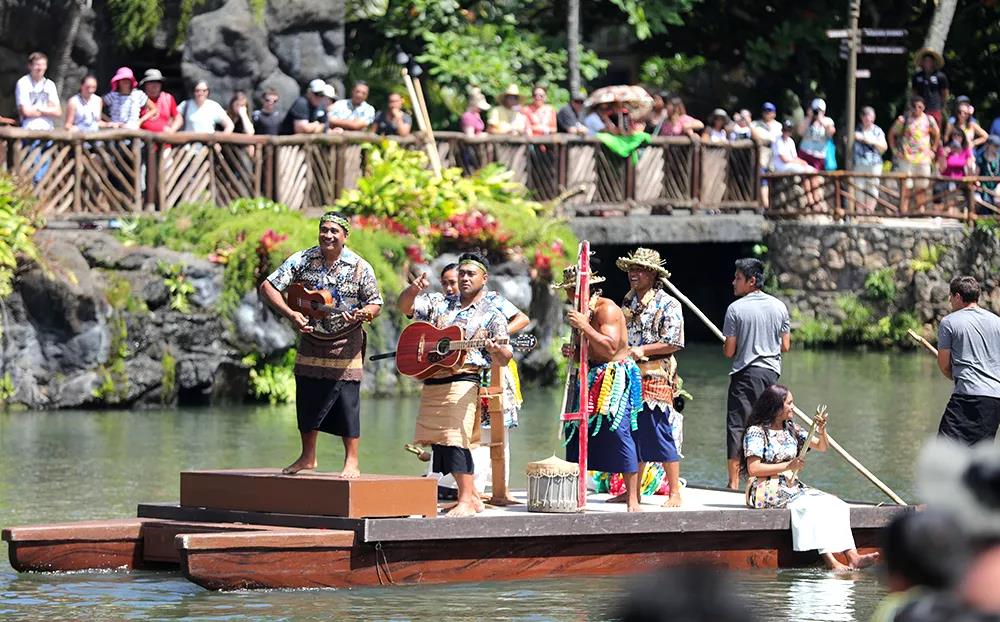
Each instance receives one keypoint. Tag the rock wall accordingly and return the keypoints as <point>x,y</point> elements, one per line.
<point>226,44</point>
<point>815,264</point>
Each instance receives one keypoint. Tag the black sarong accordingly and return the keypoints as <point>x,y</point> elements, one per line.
<point>331,406</point>
<point>970,418</point>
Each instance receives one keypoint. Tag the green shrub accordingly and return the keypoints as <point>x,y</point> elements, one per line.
<point>928,257</point>
<point>168,382</point>
<point>814,332</point>
<point>17,231</point>
<point>179,288</point>
<point>880,285</point>
<point>272,381</point>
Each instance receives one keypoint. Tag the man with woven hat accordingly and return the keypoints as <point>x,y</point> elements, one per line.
<point>448,420</point>
<point>655,331</point>
<point>930,83</point>
<point>507,117</point>
<point>615,388</point>
<point>328,366</point>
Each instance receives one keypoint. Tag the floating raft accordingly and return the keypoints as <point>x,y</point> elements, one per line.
<point>246,529</point>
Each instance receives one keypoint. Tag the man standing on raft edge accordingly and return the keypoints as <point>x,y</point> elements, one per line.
<point>328,366</point>
<point>449,400</point>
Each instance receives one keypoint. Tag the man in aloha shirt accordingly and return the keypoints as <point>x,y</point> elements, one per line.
<point>328,365</point>
<point>655,331</point>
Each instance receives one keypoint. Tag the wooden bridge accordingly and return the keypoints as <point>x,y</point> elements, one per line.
<point>123,172</point>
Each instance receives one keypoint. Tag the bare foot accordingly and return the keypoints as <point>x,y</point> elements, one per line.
<point>463,508</point>
<point>299,465</point>
<point>673,501</point>
<point>634,507</point>
<point>350,471</point>
<point>864,561</point>
<point>622,498</point>
<point>480,506</point>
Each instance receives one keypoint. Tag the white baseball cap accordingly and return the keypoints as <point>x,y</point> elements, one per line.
<point>818,104</point>
<point>329,91</point>
<point>317,86</point>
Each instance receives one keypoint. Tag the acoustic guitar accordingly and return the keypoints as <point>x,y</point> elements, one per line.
<point>423,349</point>
<point>317,304</point>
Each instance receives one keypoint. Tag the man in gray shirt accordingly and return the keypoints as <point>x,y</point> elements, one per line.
<point>969,354</point>
<point>757,332</point>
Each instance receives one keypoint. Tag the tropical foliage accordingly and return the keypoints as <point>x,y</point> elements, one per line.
<point>17,229</point>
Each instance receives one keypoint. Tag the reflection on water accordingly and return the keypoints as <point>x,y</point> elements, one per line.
<point>79,465</point>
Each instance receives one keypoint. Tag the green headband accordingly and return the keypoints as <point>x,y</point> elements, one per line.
<point>473,262</point>
<point>336,219</point>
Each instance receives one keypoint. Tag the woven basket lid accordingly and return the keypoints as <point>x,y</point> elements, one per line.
<point>552,467</point>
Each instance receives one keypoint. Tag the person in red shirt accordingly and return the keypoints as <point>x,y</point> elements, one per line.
<point>541,116</point>
<point>152,84</point>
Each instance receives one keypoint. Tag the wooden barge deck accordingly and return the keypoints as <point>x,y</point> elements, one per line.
<point>260,529</point>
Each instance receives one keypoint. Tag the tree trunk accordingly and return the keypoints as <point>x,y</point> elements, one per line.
<point>937,34</point>
<point>62,57</point>
<point>573,44</point>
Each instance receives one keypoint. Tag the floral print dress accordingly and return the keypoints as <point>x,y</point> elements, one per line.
<point>772,447</point>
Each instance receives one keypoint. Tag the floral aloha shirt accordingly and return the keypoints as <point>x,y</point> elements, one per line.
<point>480,320</point>
<point>350,281</point>
<point>772,447</point>
<point>656,318</point>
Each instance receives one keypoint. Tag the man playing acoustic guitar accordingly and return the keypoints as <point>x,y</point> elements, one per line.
<point>328,367</point>
<point>449,402</point>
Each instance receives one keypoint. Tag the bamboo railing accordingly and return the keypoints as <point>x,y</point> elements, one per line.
<point>121,171</point>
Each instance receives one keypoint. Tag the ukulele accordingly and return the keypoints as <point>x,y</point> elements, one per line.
<point>790,475</point>
<point>316,304</point>
<point>423,349</point>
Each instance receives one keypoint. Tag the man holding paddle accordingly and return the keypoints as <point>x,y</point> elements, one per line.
<point>757,331</point>
<point>328,366</point>
<point>969,354</point>
<point>449,400</point>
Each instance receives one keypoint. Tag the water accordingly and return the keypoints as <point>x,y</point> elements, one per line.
<point>63,466</point>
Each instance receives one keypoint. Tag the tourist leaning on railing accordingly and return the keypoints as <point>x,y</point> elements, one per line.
<point>569,119</point>
<point>83,110</point>
<point>540,116</point>
<point>125,106</point>
<point>307,114</point>
<point>869,145</point>
<point>36,96</point>
<point>770,460</point>
<point>914,138</point>
<point>471,121</point>
<point>239,113</point>
<point>507,117</point>
<point>716,131</point>
<point>679,122</point>
<point>201,114</point>
<point>393,121</point>
<point>166,105</point>
<point>267,119</point>
<point>353,114</point>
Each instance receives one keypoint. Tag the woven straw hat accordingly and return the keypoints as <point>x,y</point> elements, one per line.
<point>922,52</point>
<point>645,258</point>
<point>569,278</point>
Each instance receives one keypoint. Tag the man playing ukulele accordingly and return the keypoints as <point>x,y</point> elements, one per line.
<point>328,366</point>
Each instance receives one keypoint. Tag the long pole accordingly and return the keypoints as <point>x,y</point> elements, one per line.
<point>922,341</point>
<point>834,444</point>
<point>854,37</point>
<point>573,45</point>
<point>423,122</point>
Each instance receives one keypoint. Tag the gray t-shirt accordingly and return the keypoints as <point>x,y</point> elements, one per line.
<point>973,336</point>
<point>758,321</point>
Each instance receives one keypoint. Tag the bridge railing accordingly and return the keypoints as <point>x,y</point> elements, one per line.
<point>122,171</point>
<point>890,195</point>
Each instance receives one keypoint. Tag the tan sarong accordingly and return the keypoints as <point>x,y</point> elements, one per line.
<point>449,415</point>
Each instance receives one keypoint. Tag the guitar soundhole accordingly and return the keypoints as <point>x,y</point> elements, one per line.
<point>440,350</point>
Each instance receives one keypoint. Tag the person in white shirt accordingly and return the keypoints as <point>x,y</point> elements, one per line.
<point>786,160</point>
<point>354,114</point>
<point>83,110</point>
<point>36,96</point>
<point>201,114</point>
<point>766,130</point>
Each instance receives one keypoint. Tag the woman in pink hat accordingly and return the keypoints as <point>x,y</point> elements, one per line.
<point>126,106</point>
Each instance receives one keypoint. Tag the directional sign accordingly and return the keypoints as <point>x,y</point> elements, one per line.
<point>863,73</point>
<point>893,33</point>
<point>842,33</point>
<point>883,49</point>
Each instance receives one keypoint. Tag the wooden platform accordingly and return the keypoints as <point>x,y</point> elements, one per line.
<point>233,548</point>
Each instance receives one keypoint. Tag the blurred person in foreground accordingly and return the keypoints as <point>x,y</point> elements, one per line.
<point>687,593</point>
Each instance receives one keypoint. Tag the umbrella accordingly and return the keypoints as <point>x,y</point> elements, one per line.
<point>635,98</point>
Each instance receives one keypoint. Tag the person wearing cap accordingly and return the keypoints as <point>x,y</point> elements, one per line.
<point>716,131</point>
<point>307,115</point>
<point>614,381</point>
<point>165,104</point>
<point>393,121</point>
<point>201,114</point>
<point>817,131</point>
<point>36,96</point>
<point>757,331</point>
<point>569,119</point>
<point>930,83</point>
<point>969,355</point>
<point>914,139</point>
<point>655,324</point>
<point>448,419</point>
<point>765,131</point>
<point>507,117</point>
<point>869,145</point>
<point>329,364</point>
<point>354,114</point>
<point>540,116</point>
<point>125,106</point>
<point>472,122</point>
<point>988,165</point>
<point>267,119</point>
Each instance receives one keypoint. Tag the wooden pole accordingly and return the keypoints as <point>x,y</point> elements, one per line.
<point>922,341</point>
<point>834,444</point>
<point>854,37</point>
<point>423,121</point>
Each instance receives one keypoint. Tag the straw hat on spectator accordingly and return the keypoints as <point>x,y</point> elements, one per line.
<point>922,52</point>
<point>717,114</point>
<point>569,278</point>
<point>512,91</point>
<point>644,259</point>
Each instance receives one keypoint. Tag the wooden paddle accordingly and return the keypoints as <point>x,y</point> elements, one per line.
<point>922,341</point>
<point>834,444</point>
